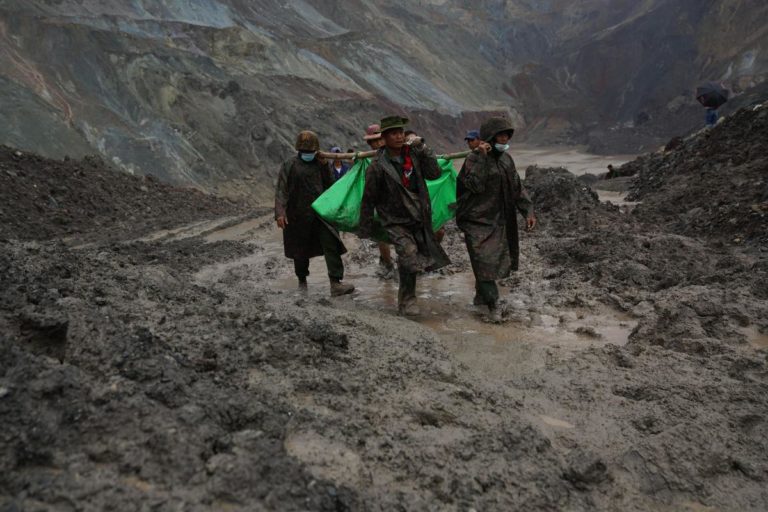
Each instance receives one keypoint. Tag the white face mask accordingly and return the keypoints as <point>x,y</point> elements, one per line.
<point>307,157</point>
<point>501,148</point>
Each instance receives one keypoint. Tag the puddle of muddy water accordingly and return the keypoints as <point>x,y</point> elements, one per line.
<point>446,308</point>
<point>578,162</point>
<point>325,458</point>
<point>755,338</point>
<point>573,159</point>
<point>617,198</point>
<point>493,349</point>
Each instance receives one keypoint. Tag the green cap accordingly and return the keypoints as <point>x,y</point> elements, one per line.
<point>392,122</point>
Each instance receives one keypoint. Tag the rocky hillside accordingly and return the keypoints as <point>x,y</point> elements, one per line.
<point>211,92</point>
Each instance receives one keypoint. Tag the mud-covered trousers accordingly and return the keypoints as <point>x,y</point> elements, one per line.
<point>488,292</point>
<point>330,246</point>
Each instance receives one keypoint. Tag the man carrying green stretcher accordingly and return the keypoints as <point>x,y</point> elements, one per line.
<point>490,195</point>
<point>396,189</point>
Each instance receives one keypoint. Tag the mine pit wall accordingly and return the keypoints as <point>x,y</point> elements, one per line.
<point>211,93</point>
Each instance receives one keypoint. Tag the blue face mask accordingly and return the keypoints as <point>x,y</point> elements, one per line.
<point>307,157</point>
<point>501,147</point>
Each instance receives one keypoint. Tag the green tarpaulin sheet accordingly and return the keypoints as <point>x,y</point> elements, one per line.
<point>340,204</point>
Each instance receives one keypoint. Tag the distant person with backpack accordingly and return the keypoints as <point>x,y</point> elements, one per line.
<point>301,180</point>
<point>712,95</point>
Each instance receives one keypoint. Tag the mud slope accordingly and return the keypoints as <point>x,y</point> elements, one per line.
<point>44,198</point>
<point>713,184</point>
<point>185,371</point>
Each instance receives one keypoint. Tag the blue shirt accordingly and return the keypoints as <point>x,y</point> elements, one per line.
<point>711,118</point>
<point>339,173</point>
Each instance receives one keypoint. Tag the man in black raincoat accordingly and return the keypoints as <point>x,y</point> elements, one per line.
<point>395,187</point>
<point>301,180</point>
<point>489,196</point>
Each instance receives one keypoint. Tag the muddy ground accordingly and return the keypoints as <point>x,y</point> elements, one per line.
<point>83,199</point>
<point>178,368</point>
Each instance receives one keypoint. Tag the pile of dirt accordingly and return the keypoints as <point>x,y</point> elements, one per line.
<point>695,361</point>
<point>42,198</point>
<point>110,368</point>
<point>665,263</point>
<point>563,202</point>
<point>713,184</point>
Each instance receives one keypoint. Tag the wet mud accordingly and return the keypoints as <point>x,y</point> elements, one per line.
<point>182,369</point>
<point>574,159</point>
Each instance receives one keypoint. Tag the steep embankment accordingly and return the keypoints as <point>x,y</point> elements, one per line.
<point>210,92</point>
<point>692,256</point>
<point>714,184</point>
<point>42,199</point>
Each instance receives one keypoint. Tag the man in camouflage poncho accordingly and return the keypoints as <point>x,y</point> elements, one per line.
<point>395,187</point>
<point>489,195</point>
<point>301,180</point>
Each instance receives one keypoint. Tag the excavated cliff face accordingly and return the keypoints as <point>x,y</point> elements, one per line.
<point>211,92</point>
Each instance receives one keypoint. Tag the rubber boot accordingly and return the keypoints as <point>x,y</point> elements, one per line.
<point>409,309</point>
<point>494,315</point>
<point>339,288</point>
<point>303,284</point>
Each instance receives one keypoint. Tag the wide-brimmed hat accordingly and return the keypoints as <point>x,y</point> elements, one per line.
<point>494,126</point>
<point>307,141</point>
<point>393,122</point>
<point>373,132</point>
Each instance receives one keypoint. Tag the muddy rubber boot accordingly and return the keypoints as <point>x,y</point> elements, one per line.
<point>302,285</point>
<point>409,309</point>
<point>494,314</point>
<point>339,288</point>
<point>477,301</point>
